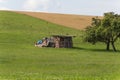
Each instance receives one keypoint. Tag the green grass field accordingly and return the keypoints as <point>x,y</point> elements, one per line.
<point>20,60</point>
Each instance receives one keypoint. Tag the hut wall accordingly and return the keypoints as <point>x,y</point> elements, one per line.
<point>57,42</point>
<point>63,42</point>
<point>68,42</point>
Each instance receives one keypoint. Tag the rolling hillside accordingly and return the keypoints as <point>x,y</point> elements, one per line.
<point>27,29</point>
<point>73,21</point>
<point>21,60</point>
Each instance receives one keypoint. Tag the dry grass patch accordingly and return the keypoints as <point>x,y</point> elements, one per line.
<point>73,21</point>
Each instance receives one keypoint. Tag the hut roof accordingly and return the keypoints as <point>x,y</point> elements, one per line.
<point>62,36</point>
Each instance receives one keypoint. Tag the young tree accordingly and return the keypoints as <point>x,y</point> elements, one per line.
<point>105,30</point>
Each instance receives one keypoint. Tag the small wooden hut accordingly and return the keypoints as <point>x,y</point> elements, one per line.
<point>62,41</point>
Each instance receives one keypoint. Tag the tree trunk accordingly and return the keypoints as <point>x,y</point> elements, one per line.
<point>108,46</point>
<point>113,45</point>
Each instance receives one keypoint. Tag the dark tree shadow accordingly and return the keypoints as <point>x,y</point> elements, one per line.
<point>102,50</point>
<point>94,50</point>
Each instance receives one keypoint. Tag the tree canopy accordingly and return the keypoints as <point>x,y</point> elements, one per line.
<point>105,30</point>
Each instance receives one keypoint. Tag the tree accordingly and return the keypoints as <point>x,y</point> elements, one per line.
<point>105,30</point>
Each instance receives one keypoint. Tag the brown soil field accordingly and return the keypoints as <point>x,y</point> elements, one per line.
<point>68,20</point>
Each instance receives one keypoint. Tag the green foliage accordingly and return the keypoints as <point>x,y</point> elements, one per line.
<point>105,30</point>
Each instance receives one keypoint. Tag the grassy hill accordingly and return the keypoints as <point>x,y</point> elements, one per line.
<point>26,29</point>
<point>20,60</point>
<point>72,21</point>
